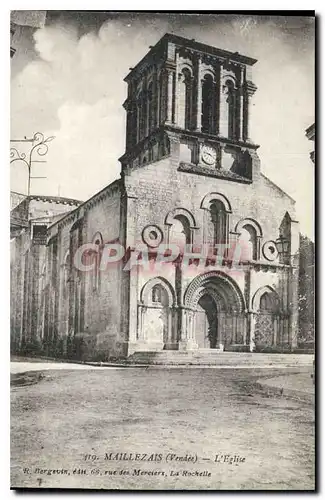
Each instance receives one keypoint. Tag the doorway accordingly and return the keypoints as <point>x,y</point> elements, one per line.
<point>206,323</point>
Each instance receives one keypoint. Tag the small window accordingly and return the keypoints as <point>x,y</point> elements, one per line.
<point>232,109</point>
<point>97,258</point>
<point>248,243</point>
<point>219,220</point>
<point>150,116</point>
<point>185,99</point>
<point>39,234</point>
<point>157,294</point>
<point>266,302</point>
<point>208,105</point>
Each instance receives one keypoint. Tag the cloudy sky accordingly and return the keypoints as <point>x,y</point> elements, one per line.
<point>67,81</point>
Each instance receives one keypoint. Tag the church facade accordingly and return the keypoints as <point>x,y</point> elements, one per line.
<point>190,184</point>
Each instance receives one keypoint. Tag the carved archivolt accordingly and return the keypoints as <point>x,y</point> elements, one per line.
<point>219,285</point>
<point>205,203</point>
<point>249,222</point>
<point>260,292</point>
<point>147,289</point>
<point>183,212</point>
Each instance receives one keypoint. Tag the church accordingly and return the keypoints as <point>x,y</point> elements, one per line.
<point>191,177</point>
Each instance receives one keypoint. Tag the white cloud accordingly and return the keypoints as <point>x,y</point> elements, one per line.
<point>75,90</point>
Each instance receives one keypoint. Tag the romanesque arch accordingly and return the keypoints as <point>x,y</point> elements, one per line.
<point>206,202</point>
<point>216,219</point>
<point>249,237</point>
<point>215,311</point>
<point>222,284</point>
<point>180,227</point>
<point>145,295</point>
<point>185,97</point>
<point>260,292</point>
<point>172,214</point>
<point>156,314</point>
<point>249,222</point>
<point>266,306</point>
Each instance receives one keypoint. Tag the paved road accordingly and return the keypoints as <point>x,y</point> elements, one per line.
<point>202,414</point>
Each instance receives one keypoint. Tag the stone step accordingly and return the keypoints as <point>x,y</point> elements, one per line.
<point>220,358</point>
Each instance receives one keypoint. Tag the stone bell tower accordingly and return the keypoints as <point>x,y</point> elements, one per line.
<point>195,96</point>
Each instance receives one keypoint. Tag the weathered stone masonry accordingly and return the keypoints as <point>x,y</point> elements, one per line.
<point>191,175</point>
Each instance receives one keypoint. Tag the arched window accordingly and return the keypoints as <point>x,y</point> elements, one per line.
<point>248,243</point>
<point>266,302</point>
<point>141,116</point>
<point>232,109</point>
<point>162,96</point>
<point>134,124</point>
<point>185,99</point>
<point>208,105</point>
<point>150,107</point>
<point>98,241</point>
<point>180,232</point>
<point>159,295</point>
<point>66,274</point>
<point>219,220</point>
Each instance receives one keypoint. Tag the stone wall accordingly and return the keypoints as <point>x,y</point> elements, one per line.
<point>99,295</point>
<point>159,187</point>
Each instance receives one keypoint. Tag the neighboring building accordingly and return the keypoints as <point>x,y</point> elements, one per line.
<point>18,18</point>
<point>12,33</point>
<point>29,219</point>
<point>310,134</point>
<point>190,175</point>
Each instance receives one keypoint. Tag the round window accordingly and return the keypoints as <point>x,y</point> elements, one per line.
<point>152,236</point>
<point>269,251</point>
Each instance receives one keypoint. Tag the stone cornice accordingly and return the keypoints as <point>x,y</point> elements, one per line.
<point>262,266</point>
<point>79,212</point>
<point>210,137</point>
<point>310,132</point>
<point>250,87</point>
<point>140,146</point>
<point>212,172</point>
<point>55,199</point>
<point>193,47</point>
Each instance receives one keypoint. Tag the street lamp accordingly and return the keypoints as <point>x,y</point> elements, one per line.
<point>282,246</point>
<point>39,147</point>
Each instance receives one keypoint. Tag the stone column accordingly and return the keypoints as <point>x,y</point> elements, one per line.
<point>223,108</point>
<point>129,311</point>
<point>187,341</point>
<point>250,90</point>
<point>234,328</point>
<point>275,330</point>
<point>245,319</point>
<point>198,95</point>
<point>170,342</point>
<point>221,328</point>
<point>252,323</point>
<point>241,104</point>
<point>157,99</point>
<point>177,97</point>
<point>170,96</point>
<point>141,312</point>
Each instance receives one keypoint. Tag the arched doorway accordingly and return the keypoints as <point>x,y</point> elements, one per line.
<point>267,305</point>
<point>206,323</point>
<point>217,304</point>
<point>155,315</point>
